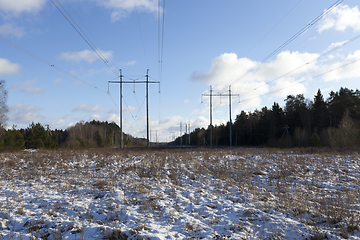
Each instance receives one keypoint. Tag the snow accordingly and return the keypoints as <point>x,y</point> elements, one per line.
<point>179,194</point>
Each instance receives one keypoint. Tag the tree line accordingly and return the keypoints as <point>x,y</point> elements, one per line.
<point>332,122</point>
<point>93,134</point>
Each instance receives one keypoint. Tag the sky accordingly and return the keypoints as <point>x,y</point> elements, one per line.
<point>57,64</point>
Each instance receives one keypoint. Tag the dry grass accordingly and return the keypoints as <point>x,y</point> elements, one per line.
<point>288,181</point>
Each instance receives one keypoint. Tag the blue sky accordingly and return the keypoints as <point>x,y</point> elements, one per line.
<point>218,43</point>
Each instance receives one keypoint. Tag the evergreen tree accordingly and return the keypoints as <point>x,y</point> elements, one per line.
<point>320,113</point>
<point>341,101</point>
<point>14,140</point>
<point>37,137</point>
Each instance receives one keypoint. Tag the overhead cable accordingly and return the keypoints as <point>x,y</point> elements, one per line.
<point>83,35</point>
<point>307,79</point>
<point>272,28</point>
<point>142,38</point>
<point>315,20</point>
<point>307,63</point>
<point>47,62</point>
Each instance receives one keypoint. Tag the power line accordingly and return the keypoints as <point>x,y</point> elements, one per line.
<point>83,35</point>
<point>162,41</point>
<point>307,63</point>
<point>47,62</point>
<point>272,28</point>
<point>142,38</point>
<point>315,20</point>
<point>303,29</point>
<point>319,75</point>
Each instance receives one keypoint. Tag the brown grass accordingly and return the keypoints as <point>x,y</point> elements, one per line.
<point>294,185</point>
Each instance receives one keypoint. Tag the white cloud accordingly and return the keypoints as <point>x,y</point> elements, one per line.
<point>131,63</point>
<point>285,62</point>
<point>336,45</point>
<point>6,67</point>
<point>95,117</point>
<point>60,122</point>
<point>88,108</point>
<point>86,55</point>
<point>251,80</point>
<point>350,69</point>
<point>20,6</point>
<point>285,75</point>
<point>11,30</point>
<point>225,69</point>
<point>129,109</point>
<point>58,81</point>
<point>24,114</point>
<point>29,87</point>
<point>288,86</point>
<point>341,18</point>
<point>113,118</point>
<point>125,110</point>
<point>121,8</point>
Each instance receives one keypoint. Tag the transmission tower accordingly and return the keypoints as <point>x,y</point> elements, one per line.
<point>211,95</point>
<point>147,104</point>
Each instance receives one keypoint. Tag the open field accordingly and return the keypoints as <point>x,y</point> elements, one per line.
<point>179,194</point>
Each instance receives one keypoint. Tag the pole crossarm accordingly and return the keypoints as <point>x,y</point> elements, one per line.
<point>220,94</point>
<point>133,82</point>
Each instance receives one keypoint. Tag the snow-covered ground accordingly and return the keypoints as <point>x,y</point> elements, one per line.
<point>179,194</point>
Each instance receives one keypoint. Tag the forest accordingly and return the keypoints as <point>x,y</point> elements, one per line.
<point>94,134</point>
<point>333,122</point>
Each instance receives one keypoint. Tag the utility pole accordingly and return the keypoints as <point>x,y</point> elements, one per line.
<point>147,110</point>
<point>156,139</point>
<point>189,133</point>
<point>147,104</point>
<point>120,110</point>
<point>180,133</point>
<point>211,95</point>
<point>230,112</point>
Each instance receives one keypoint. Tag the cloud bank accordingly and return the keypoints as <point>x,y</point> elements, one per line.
<point>341,18</point>
<point>284,75</point>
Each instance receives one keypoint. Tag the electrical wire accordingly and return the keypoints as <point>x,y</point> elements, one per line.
<point>272,28</point>
<point>307,63</point>
<point>85,27</point>
<point>315,20</point>
<point>159,37</point>
<point>134,118</point>
<point>307,79</point>
<point>141,34</point>
<point>162,41</point>
<point>83,35</point>
<point>47,62</point>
